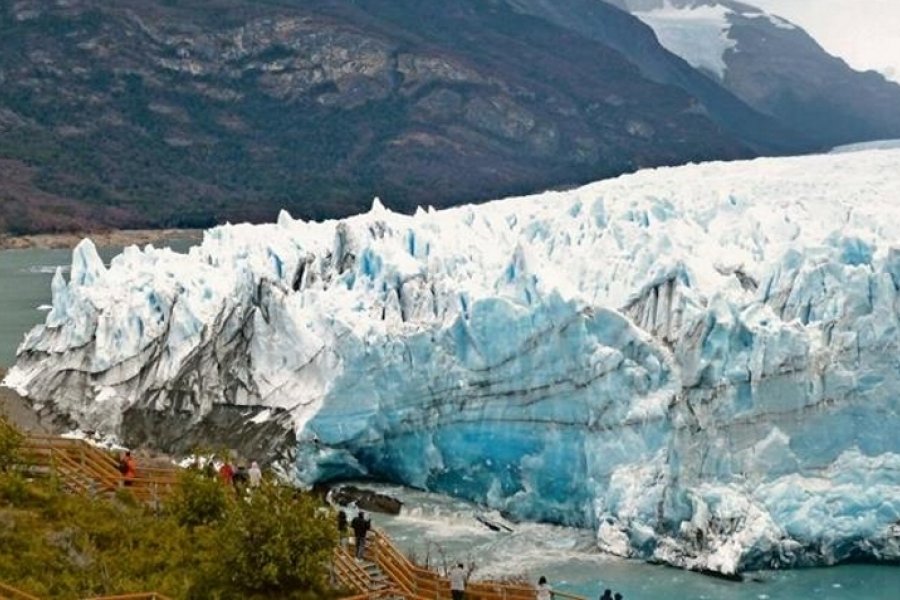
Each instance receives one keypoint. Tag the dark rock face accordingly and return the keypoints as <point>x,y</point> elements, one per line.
<point>785,73</point>
<point>782,72</point>
<point>231,427</point>
<point>606,23</point>
<point>160,113</point>
<point>366,500</point>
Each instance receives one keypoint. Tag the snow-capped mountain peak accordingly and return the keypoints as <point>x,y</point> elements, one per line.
<point>775,66</point>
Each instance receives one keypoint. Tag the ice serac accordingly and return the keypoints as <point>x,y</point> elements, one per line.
<point>701,363</point>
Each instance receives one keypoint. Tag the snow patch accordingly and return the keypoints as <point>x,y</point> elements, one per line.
<point>698,34</point>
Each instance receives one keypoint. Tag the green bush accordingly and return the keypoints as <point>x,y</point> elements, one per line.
<point>15,491</point>
<point>69,546</point>
<point>207,545</point>
<point>10,445</point>
<point>276,543</point>
<point>198,499</point>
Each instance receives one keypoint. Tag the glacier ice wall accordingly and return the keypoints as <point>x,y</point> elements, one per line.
<point>701,363</point>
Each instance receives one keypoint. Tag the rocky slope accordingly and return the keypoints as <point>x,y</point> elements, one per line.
<point>160,113</point>
<point>777,68</point>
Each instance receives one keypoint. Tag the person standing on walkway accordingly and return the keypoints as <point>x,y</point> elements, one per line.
<point>128,467</point>
<point>607,595</point>
<point>226,473</point>
<point>240,478</point>
<point>458,582</point>
<point>342,526</point>
<point>255,474</point>
<point>360,526</point>
<point>544,591</point>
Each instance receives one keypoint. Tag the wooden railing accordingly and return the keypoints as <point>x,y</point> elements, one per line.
<point>145,596</point>
<point>374,595</point>
<point>418,583</point>
<point>11,593</point>
<point>86,469</point>
<point>349,573</point>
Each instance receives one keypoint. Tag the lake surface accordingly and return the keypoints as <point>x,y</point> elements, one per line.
<point>446,530</point>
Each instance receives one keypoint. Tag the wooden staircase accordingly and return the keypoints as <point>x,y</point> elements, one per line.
<point>85,469</point>
<point>387,573</point>
<point>362,576</point>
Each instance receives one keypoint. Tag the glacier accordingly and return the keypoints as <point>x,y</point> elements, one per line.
<point>700,363</point>
<point>697,32</point>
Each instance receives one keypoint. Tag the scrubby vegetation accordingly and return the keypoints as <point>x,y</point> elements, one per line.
<point>10,443</point>
<point>206,543</point>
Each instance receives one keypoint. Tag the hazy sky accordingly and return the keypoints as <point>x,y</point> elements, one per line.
<point>865,33</point>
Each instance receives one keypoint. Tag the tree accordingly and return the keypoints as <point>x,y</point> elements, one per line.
<point>11,440</point>
<point>277,542</point>
<point>198,499</point>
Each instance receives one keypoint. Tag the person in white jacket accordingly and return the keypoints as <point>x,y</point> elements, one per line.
<point>544,591</point>
<point>254,474</point>
<point>458,582</point>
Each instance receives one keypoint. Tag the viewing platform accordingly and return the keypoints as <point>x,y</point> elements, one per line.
<point>385,572</point>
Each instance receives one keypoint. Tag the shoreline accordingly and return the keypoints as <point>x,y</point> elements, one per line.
<point>105,238</point>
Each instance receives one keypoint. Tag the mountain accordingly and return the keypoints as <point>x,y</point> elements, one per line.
<point>863,34</point>
<point>601,22</point>
<point>699,362</point>
<point>127,113</point>
<point>775,67</point>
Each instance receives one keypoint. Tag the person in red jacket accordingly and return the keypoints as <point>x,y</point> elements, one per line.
<point>226,473</point>
<point>128,468</point>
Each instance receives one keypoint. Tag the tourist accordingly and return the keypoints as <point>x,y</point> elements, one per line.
<point>240,477</point>
<point>457,582</point>
<point>607,595</point>
<point>128,468</point>
<point>360,526</point>
<point>544,591</point>
<point>254,474</point>
<point>226,473</point>
<point>618,596</point>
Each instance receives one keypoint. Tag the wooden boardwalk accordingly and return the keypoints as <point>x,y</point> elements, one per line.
<point>398,577</point>
<point>385,572</point>
<point>85,469</point>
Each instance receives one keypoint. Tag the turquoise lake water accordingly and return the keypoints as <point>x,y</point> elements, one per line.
<point>446,530</point>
